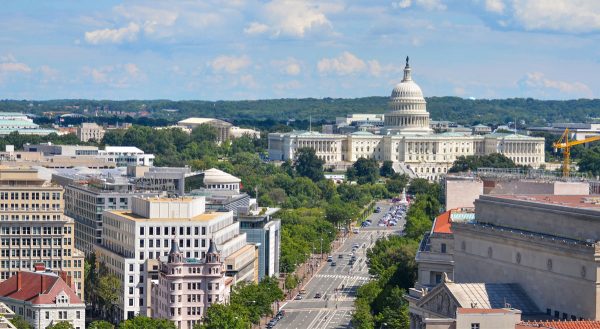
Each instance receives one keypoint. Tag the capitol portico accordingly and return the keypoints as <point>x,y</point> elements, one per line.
<point>407,140</point>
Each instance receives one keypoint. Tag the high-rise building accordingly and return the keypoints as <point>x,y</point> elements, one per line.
<point>131,237</point>
<point>34,229</point>
<point>88,193</point>
<point>265,232</point>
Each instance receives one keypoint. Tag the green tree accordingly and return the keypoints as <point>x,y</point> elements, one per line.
<point>20,323</point>
<point>61,325</point>
<point>397,183</point>
<point>307,164</point>
<point>204,132</point>
<point>142,322</point>
<point>417,223</point>
<point>101,324</point>
<point>219,316</point>
<point>386,169</point>
<point>108,290</point>
<point>590,161</point>
<point>340,213</point>
<point>473,162</point>
<point>364,171</point>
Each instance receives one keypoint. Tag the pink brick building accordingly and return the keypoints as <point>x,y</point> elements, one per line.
<point>186,287</point>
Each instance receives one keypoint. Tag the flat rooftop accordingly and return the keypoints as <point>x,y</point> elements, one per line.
<point>205,217</point>
<point>591,202</point>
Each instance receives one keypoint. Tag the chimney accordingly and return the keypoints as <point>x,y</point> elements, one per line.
<point>66,278</point>
<point>19,280</point>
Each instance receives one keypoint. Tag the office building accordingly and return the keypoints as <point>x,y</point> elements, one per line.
<point>90,131</point>
<point>545,243</point>
<point>265,232</point>
<point>125,156</point>
<point>34,229</point>
<point>132,237</point>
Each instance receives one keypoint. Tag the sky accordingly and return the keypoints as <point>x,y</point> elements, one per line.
<point>248,49</point>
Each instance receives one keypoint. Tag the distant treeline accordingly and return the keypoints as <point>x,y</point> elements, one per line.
<point>462,111</point>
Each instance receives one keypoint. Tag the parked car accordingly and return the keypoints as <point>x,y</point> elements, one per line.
<point>298,297</point>
<point>318,295</point>
<point>341,256</point>
<point>355,231</point>
<point>333,264</point>
<point>329,258</point>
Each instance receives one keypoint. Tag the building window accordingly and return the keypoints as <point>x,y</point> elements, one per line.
<point>443,248</point>
<point>474,325</point>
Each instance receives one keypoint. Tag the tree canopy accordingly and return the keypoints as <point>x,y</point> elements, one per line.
<point>473,162</point>
<point>363,171</point>
<point>307,164</point>
<point>142,322</point>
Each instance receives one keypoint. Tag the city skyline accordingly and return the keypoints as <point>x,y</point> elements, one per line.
<point>230,50</point>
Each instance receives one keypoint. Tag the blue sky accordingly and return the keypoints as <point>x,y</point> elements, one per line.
<point>247,49</point>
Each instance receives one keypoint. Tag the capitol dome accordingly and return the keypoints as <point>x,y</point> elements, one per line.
<point>407,107</point>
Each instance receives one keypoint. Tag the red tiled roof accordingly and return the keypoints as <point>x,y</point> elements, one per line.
<point>559,325</point>
<point>442,223</point>
<point>37,288</point>
<point>462,310</point>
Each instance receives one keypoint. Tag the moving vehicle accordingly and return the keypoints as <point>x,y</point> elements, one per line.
<point>298,297</point>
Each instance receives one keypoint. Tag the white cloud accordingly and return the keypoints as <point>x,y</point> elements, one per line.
<point>345,64</point>
<point>375,68</point>
<point>402,4</point>
<point>230,64</point>
<point>10,66</point>
<point>538,82</point>
<point>248,81</point>
<point>427,4</point>
<point>289,85</point>
<point>256,28</point>
<point>116,76</point>
<point>495,6</point>
<point>431,4</point>
<point>289,66</point>
<point>48,73</point>
<point>128,33</point>
<point>572,16</point>
<point>291,18</point>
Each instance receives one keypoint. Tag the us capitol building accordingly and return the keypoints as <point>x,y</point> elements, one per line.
<point>407,140</point>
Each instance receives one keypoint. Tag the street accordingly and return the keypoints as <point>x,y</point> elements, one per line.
<point>337,284</point>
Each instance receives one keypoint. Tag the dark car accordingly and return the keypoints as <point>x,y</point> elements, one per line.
<point>341,256</point>
<point>318,295</point>
<point>333,264</point>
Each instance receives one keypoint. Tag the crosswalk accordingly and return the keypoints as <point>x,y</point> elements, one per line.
<point>343,276</point>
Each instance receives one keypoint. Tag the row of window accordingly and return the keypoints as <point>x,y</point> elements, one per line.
<point>165,230</point>
<point>27,230</point>
<point>29,196</point>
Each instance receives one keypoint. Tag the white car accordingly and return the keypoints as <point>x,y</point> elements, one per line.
<point>355,231</point>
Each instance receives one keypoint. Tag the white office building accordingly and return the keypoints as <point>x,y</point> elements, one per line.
<point>130,238</point>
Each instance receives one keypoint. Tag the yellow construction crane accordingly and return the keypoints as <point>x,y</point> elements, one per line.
<point>565,144</point>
